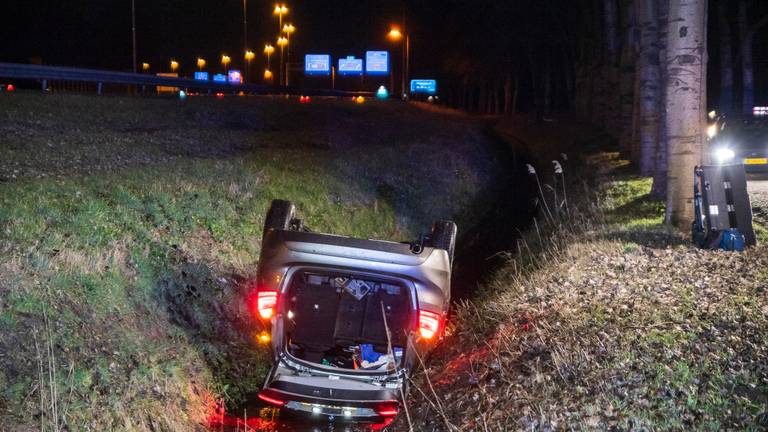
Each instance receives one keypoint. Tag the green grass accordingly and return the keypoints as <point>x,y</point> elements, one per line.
<point>628,203</point>
<point>133,272</point>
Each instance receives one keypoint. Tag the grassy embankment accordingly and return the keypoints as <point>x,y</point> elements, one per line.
<point>128,225</point>
<point>608,322</point>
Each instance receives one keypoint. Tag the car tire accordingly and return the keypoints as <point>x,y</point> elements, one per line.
<point>443,236</point>
<point>279,215</point>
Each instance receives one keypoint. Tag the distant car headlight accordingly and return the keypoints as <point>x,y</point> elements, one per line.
<point>724,155</point>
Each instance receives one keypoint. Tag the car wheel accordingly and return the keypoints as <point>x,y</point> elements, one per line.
<point>444,237</point>
<point>279,216</point>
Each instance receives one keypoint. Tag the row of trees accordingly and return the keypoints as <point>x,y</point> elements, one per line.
<point>507,56</point>
<point>654,52</point>
<point>635,68</point>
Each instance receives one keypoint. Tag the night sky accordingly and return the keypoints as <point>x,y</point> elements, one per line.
<point>444,33</point>
<point>97,33</point>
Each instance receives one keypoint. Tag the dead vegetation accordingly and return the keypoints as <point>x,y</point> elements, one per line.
<point>608,322</point>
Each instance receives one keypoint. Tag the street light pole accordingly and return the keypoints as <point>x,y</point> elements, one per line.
<point>282,42</point>
<point>407,68</point>
<point>245,25</point>
<point>280,10</point>
<point>133,31</point>
<point>288,29</point>
<point>268,50</point>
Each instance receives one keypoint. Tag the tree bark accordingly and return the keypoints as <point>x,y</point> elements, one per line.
<point>747,72</point>
<point>627,76</point>
<point>686,88</point>
<point>507,93</point>
<point>649,85</point>
<point>634,154</point>
<point>547,88</point>
<point>659,187</point>
<point>515,94</point>
<point>611,13</point>
<point>610,97</point>
<point>726,59</point>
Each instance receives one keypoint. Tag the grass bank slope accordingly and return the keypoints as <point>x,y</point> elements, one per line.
<point>128,226</point>
<point>611,322</point>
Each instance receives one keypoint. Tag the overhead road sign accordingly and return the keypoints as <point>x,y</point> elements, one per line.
<point>424,86</point>
<point>377,62</point>
<point>350,66</point>
<point>317,64</point>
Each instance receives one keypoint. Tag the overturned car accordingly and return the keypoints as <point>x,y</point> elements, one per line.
<point>348,318</point>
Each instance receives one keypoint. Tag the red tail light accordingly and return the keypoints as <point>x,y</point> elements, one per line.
<point>271,400</point>
<point>387,410</point>
<point>265,303</point>
<point>429,324</point>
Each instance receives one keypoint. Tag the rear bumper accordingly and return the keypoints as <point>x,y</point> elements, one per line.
<point>350,404</point>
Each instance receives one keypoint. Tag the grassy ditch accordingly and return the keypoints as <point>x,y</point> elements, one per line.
<point>128,227</point>
<point>606,321</point>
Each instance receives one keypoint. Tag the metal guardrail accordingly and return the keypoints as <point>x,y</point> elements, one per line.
<point>56,73</point>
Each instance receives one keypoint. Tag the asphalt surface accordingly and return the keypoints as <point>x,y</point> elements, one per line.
<point>757,186</point>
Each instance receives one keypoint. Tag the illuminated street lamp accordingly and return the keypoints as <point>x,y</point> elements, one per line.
<point>288,29</point>
<point>397,35</point>
<point>281,42</point>
<point>174,65</point>
<point>200,63</point>
<point>225,60</point>
<point>268,50</point>
<point>280,10</point>
<point>249,56</point>
<point>267,75</point>
<point>145,67</point>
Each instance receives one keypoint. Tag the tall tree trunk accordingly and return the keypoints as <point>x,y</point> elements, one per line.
<point>611,14</point>
<point>649,84</point>
<point>610,97</point>
<point>659,187</point>
<point>507,93</point>
<point>515,94</point>
<point>726,59</point>
<point>686,88</point>
<point>634,154</point>
<point>627,76</point>
<point>747,72</point>
<point>547,88</point>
